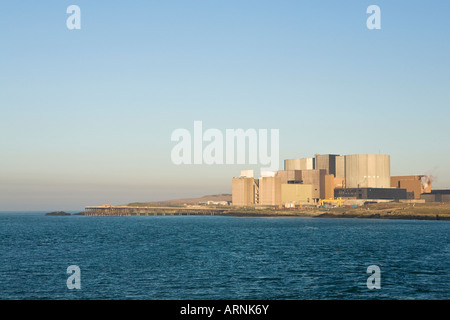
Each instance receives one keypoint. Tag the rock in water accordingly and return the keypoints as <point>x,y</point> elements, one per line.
<point>57,213</point>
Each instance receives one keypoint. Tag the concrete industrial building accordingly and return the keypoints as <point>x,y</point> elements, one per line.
<point>299,164</point>
<point>296,193</point>
<point>436,196</point>
<point>270,191</point>
<point>329,186</point>
<point>339,182</point>
<point>324,177</point>
<point>353,171</point>
<point>312,186</point>
<point>371,193</point>
<point>243,191</point>
<point>367,171</point>
<point>290,176</point>
<point>281,187</point>
<point>321,183</point>
<point>315,178</point>
<point>416,185</point>
<point>340,167</point>
<point>326,162</point>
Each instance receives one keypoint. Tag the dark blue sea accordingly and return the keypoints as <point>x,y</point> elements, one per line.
<point>211,257</point>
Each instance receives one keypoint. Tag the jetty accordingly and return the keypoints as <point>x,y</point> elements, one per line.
<point>108,210</point>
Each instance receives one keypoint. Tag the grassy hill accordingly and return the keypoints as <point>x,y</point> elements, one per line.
<point>181,202</point>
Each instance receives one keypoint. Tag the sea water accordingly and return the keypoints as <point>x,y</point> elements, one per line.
<point>212,257</point>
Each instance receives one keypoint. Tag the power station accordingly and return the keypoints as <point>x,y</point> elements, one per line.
<point>322,178</point>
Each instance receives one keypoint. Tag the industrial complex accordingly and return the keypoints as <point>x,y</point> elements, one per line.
<point>332,180</point>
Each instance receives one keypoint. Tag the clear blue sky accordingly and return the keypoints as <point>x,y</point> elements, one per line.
<point>86,115</point>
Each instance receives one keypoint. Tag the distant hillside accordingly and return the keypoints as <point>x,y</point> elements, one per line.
<point>180,202</point>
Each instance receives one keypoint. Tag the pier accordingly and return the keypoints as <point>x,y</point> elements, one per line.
<point>107,210</point>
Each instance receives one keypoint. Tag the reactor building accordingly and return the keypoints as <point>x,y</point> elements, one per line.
<point>327,177</point>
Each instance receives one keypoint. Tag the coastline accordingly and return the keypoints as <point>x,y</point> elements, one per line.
<point>392,210</point>
<point>387,210</point>
<point>338,216</point>
<point>284,214</point>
